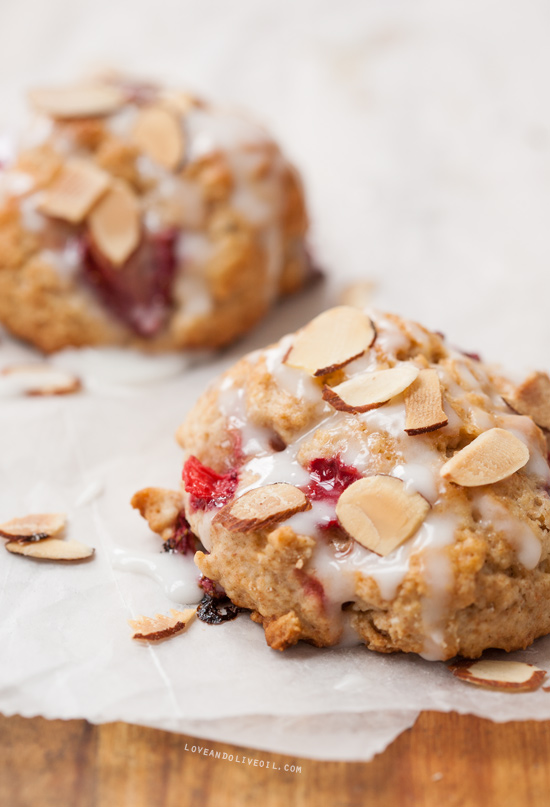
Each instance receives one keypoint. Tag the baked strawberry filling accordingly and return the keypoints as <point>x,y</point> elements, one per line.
<point>208,490</point>
<point>183,540</point>
<point>140,291</point>
<point>329,478</point>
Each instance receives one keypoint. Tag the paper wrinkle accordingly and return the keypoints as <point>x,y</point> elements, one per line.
<point>442,206</point>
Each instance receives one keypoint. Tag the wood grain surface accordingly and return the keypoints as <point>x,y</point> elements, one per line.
<point>445,759</point>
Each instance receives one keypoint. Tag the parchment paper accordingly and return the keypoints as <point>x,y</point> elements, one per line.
<point>423,131</point>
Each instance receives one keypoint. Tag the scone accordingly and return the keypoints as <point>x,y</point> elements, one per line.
<point>137,215</point>
<point>363,480</point>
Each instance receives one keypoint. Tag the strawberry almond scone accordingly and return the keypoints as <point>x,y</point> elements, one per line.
<point>362,480</point>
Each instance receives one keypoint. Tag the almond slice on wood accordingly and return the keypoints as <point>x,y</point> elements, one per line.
<point>35,527</point>
<point>262,507</point>
<point>370,390</point>
<point>424,405</point>
<point>74,191</point>
<point>159,134</point>
<point>85,101</point>
<point>532,398</point>
<point>494,455</point>
<point>39,379</point>
<point>51,549</point>
<point>115,223</point>
<point>505,676</point>
<point>331,341</point>
<point>160,626</point>
<point>379,513</point>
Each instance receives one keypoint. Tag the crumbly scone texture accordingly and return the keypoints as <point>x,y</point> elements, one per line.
<point>218,233</point>
<point>474,575</point>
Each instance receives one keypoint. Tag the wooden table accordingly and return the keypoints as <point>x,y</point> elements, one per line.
<point>444,760</point>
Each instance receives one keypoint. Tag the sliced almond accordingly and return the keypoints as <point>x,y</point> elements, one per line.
<point>74,191</point>
<point>507,676</point>
<point>379,513</point>
<point>424,405</point>
<point>115,223</point>
<point>38,379</point>
<point>180,101</point>
<point>160,626</point>
<point>331,341</point>
<point>263,507</point>
<point>358,295</point>
<point>494,455</point>
<point>532,398</point>
<point>51,549</point>
<point>159,134</point>
<point>86,101</point>
<point>35,527</point>
<point>370,390</point>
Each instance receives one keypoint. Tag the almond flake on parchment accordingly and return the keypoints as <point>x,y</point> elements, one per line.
<point>41,379</point>
<point>158,133</point>
<point>504,676</point>
<point>80,101</point>
<point>492,456</point>
<point>370,390</point>
<point>152,629</point>
<point>51,549</point>
<point>115,223</point>
<point>424,404</point>
<point>331,340</point>
<point>379,513</point>
<point>35,527</point>
<point>262,507</point>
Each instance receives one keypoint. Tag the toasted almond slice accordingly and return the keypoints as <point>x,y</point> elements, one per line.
<point>38,379</point>
<point>74,191</point>
<point>115,223</point>
<point>35,527</point>
<point>358,295</point>
<point>423,404</point>
<point>160,626</point>
<point>85,101</point>
<point>159,134</point>
<point>262,507</point>
<point>492,456</point>
<point>370,390</point>
<point>180,101</point>
<point>379,513</point>
<point>51,549</point>
<point>507,676</point>
<point>331,341</point>
<point>532,398</point>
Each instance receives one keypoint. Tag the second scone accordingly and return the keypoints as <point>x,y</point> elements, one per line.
<point>132,214</point>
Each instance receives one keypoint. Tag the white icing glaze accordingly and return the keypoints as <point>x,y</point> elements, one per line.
<point>517,533</point>
<point>107,368</point>
<point>176,574</point>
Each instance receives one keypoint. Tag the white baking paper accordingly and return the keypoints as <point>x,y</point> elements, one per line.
<point>423,132</point>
